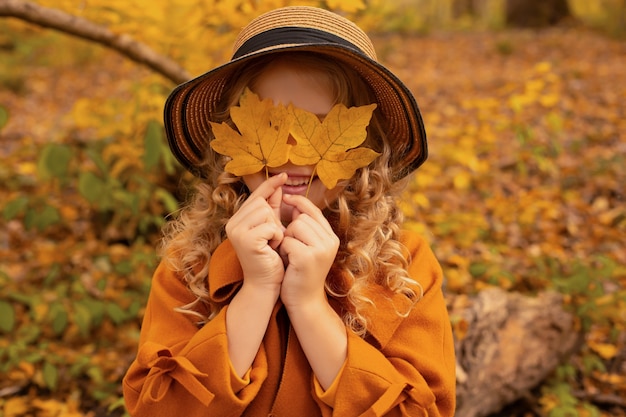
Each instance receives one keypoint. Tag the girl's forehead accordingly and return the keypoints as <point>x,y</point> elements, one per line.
<point>288,84</point>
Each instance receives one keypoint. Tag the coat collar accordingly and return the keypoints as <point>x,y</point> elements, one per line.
<point>225,273</point>
<point>386,313</point>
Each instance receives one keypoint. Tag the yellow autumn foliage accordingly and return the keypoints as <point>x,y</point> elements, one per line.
<point>523,188</point>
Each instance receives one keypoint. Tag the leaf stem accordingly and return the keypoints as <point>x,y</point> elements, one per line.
<point>311,181</point>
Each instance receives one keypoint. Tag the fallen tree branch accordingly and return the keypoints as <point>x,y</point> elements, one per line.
<point>602,399</point>
<point>85,29</point>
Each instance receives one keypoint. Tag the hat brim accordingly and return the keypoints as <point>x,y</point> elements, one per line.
<point>189,108</point>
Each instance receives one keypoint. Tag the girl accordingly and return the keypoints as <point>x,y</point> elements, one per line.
<point>280,296</point>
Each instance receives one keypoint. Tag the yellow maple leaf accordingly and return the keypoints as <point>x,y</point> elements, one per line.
<point>332,144</point>
<point>261,141</point>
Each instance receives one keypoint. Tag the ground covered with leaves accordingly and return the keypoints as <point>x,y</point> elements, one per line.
<point>524,189</point>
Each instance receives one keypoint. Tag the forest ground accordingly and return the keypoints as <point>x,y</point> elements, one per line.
<point>565,86</point>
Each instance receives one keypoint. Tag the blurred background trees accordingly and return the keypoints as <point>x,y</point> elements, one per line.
<point>536,13</point>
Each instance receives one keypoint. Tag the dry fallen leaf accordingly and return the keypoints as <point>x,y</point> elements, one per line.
<point>264,130</point>
<point>262,138</point>
<point>330,144</point>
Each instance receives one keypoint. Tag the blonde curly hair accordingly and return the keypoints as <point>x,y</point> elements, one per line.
<point>365,215</point>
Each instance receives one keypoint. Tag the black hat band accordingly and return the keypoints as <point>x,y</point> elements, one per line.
<point>290,35</point>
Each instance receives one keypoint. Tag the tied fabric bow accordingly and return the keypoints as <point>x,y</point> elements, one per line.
<point>165,369</point>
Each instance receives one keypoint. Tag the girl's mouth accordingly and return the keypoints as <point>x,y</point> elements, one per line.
<point>297,184</point>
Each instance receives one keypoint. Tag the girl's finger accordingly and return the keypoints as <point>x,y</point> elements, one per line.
<point>308,231</point>
<point>302,204</point>
<point>275,201</point>
<point>268,232</point>
<point>252,210</point>
<point>269,186</point>
<point>257,211</point>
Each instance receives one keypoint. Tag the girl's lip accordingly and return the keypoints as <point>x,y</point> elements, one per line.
<point>292,174</point>
<point>295,189</point>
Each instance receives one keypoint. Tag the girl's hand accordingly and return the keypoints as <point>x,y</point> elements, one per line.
<point>255,232</point>
<point>309,249</point>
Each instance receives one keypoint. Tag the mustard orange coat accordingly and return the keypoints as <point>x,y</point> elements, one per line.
<point>404,366</point>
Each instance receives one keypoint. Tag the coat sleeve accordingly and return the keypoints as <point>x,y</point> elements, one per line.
<point>408,367</point>
<point>183,370</point>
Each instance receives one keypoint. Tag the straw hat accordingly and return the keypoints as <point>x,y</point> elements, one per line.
<point>191,105</point>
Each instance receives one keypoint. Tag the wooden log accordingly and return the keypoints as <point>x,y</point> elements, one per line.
<point>512,343</point>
